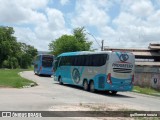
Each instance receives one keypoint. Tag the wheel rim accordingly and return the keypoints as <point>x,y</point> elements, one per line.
<point>113,92</point>
<point>60,80</point>
<point>92,87</point>
<point>85,85</point>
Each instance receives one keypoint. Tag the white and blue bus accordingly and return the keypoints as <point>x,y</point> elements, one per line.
<point>43,65</point>
<point>105,71</point>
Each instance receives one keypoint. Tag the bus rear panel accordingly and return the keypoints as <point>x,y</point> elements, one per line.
<point>44,65</point>
<point>121,71</point>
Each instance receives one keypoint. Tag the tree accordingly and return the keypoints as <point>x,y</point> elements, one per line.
<point>71,43</point>
<point>83,44</point>
<point>14,54</point>
<point>65,43</point>
<point>8,45</point>
<point>26,56</point>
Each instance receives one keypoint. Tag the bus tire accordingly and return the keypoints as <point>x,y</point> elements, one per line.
<point>113,92</point>
<point>91,87</point>
<point>85,85</point>
<point>60,81</point>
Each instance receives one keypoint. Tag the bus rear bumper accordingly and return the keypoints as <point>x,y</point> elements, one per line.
<point>43,72</point>
<point>119,88</point>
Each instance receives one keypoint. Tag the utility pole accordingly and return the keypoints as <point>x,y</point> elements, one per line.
<point>102,45</point>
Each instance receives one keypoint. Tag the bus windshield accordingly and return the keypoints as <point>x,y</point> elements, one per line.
<point>47,61</point>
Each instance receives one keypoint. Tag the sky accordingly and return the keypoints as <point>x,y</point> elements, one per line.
<point>120,23</point>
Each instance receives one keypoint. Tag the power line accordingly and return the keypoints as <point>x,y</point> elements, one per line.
<point>94,39</point>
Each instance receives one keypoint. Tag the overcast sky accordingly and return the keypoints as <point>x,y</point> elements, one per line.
<point>120,23</point>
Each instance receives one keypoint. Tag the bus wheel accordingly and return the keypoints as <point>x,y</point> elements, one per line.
<point>113,92</point>
<point>85,85</point>
<point>60,81</point>
<point>91,86</point>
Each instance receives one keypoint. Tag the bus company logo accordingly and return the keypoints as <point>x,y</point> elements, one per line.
<point>76,75</point>
<point>123,57</point>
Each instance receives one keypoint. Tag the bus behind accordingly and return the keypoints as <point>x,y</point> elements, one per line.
<point>43,65</point>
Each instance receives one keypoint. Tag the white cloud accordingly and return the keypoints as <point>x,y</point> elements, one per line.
<point>33,4</point>
<point>48,28</point>
<point>127,25</point>
<point>27,36</point>
<point>21,11</point>
<point>64,2</point>
<point>142,8</point>
<point>154,18</point>
<point>55,19</point>
<point>43,27</point>
<point>136,25</point>
<point>88,13</point>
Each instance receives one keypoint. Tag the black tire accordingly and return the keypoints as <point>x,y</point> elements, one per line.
<point>60,81</point>
<point>85,85</point>
<point>111,92</point>
<point>91,87</point>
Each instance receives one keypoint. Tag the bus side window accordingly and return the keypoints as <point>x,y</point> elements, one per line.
<point>101,59</point>
<point>95,60</point>
<point>55,63</point>
<point>88,60</point>
<point>81,61</point>
<point>68,61</point>
<point>73,60</point>
<point>76,61</point>
<point>61,61</point>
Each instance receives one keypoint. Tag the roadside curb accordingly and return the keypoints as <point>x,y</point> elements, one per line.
<point>30,85</point>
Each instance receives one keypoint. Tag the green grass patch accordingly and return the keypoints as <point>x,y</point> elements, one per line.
<point>31,67</point>
<point>145,90</point>
<point>10,78</point>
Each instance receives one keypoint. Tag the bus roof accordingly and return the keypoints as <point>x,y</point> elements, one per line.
<point>82,53</point>
<point>45,55</point>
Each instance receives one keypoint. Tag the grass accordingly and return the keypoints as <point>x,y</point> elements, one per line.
<point>145,90</point>
<point>10,78</point>
<point>31,68</point>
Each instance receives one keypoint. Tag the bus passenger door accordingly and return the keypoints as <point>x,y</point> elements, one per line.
<point>62,69</point>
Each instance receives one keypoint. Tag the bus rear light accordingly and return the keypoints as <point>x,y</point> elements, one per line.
<point>40,68</point>
<point>109,78</point>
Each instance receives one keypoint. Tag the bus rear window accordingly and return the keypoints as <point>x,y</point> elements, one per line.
<point>47,61</point>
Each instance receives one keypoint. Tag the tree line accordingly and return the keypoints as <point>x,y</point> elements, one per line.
<point>14,54</point>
